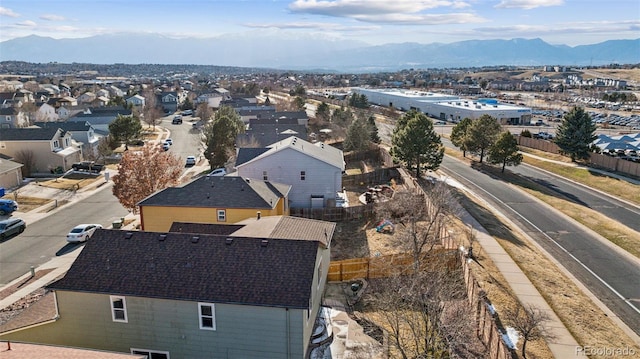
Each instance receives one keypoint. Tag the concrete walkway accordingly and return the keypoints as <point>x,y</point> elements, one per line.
<point>564,344</point>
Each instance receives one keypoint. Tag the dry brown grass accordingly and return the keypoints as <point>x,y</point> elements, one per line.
<point>26,203</point>
<point>68,184</point>
<point>589,325</point>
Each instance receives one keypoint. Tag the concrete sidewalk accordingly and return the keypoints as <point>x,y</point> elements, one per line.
<point>564,344</point>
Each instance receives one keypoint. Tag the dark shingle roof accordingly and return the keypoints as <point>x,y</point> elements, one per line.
<point>205,228</point>
<point>247,154</point>
<point>28,134</point>
<point>226,192</point>
<point>67,126</point>
<point>244,271</point>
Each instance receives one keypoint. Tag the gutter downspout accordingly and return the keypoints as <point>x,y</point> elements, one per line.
<point>288,334</point>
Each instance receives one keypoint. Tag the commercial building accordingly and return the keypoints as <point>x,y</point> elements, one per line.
<point>447,107</point>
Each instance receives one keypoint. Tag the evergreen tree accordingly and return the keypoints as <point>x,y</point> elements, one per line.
<point>220,135</point>
<point>374,137</point>
<point>505,151</point>
<point>323,113</point>
<point>357,136</point>
<point>459,135</point>
<point>481,135</point>
<point>125,128</point>
<point>415,142</point>
<point>575,134</point>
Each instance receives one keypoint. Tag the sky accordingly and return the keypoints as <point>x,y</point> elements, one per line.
<point>375,22</point>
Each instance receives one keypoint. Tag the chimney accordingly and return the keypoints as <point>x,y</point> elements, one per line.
<point>259,215</point>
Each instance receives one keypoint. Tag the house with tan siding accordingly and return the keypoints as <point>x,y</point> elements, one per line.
<point>213,200</point>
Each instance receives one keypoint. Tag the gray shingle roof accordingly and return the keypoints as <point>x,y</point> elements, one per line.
<point>28,134</point>
<point>67,126</point>
<point>211,269</point>
<point>226,192</point>
<point>319,151</point>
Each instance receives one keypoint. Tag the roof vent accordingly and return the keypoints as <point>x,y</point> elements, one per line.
<point>128,235</point>
<point>229,240</point>
<point>195,239</point>
<point>264,243</point>
<point>162,237</point>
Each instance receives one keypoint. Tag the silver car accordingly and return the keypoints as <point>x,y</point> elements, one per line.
<point>10,227</point>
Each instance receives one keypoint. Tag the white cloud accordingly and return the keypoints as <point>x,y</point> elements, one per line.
<point>385,11</point>
<point>8,12</point>
<point>26,23</point>
<point>527,4</point>
<point>52,17</point>
<point>311,26</point>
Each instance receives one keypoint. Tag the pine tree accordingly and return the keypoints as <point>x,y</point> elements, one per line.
<point>575,134</point>
<point>375,138</point>
<point>415,142</point>
<point>459,135</point>
<point>505,151</point>
<point>481,135</point>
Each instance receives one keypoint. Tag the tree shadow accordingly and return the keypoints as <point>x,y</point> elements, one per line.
<point>494,226</point>
<point>350,240</point>
<point>534,184</point>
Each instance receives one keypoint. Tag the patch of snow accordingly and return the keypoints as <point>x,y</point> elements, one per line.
<point>491,308</point>
<point>510,338</point>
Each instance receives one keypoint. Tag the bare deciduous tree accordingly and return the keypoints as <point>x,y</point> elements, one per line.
<point>151,113</point>
<point>28,160</point>
<point>531,322</point>
<point>141,173</point>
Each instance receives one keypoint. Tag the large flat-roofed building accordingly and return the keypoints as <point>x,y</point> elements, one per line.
<point>447,107</point>
<point>454,111</point>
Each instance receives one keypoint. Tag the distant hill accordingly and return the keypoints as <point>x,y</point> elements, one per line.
<point>272,50</point>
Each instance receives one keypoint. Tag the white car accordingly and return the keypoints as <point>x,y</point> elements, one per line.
<point>191,161</point>
<point>82,232</point>
<point>169,141</point>
<point>217,172</point>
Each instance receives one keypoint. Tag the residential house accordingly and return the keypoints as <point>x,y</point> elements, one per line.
<point>100,101</point>
<point>169,101</point>
<point>102,93</point>
<point>114,91</point>
<point>193,295</point>
<point>136,101</point>
<point>87,97</point>
<point>46,113</point>
<point>82,133</point>
<point>6,99</point>
<point>10,173</point>
<point>259,134</point>
<point>11,117</point>
<point>49,148</point>
<point>211,199</point>
<point>213,98</point>
<point>100,117</point>
<point>314,171</point>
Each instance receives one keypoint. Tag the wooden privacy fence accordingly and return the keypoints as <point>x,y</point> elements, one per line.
<point>595,159</point>
<point>375,177</point>
<point>335,214</point>
<point>387,265</point>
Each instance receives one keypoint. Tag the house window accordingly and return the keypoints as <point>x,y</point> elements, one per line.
<point>264,176</point>
<point>56,144</point>
<point>66,142</point>
<point>151,354</point>
<point>207,314</point>
<point>222,215</point>
<point>118,309</point>
<point>303,175</point>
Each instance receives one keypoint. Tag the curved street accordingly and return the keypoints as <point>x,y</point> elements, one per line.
<point>611,275</point>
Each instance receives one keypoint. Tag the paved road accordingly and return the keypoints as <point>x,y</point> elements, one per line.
<point>46,238</point>
<point>610,275</point>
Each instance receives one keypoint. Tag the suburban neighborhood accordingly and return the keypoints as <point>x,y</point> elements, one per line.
<point>263,217</point>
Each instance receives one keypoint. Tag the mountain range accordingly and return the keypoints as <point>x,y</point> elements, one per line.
<point>278,51</point>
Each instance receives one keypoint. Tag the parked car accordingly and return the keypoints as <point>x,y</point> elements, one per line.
<point>7,206</point>
<point>187,113</point>
<point>177,120</point>
<point>82,232</point>
<point>169,141</point>
<point>217,172</point>
<point>191,160</point>
<point>543,136</point>
<point>10,227</point>
<point>165,146</point>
